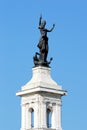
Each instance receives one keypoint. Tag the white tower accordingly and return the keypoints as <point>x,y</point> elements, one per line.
<point>41,102</point>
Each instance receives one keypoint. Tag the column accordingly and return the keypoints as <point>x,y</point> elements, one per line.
<point>58,113</point>
<point>54,116</point>
<point>36,114</point>
<point>28,117</point>
<point>43,114</point>
<point>23,118</point>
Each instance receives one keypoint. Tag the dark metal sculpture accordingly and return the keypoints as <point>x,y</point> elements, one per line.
<point>40,59</point>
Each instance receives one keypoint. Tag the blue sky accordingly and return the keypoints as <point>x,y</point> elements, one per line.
<point>19,36</point>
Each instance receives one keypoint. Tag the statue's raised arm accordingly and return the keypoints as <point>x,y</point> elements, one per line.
<point>51,28</point>
<point>40,20</point>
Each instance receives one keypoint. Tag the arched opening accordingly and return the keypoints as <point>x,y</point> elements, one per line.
<point>32,117</point>
<point>49,118</point>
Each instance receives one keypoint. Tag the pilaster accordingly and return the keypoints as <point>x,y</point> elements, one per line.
<point>23,118</point>
<point>43,115</point>
<point>58,113</point>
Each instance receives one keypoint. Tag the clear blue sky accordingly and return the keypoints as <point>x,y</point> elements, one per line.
<point>19,36</point>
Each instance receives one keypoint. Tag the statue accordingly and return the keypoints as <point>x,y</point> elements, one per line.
<point>41,57</point>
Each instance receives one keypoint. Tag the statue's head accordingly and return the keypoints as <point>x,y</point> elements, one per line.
<point>43,23</point>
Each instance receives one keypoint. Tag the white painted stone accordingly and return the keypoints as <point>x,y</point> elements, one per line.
<point>40,93</point>
<point>41,77</point>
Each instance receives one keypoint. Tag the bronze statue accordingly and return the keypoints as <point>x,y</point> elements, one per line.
<point>42,45</point>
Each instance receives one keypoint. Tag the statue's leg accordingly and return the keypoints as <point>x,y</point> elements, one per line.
<point>45,56</point>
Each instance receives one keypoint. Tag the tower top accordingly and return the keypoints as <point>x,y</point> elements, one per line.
<point>41,101</point>
<point>40,59</point>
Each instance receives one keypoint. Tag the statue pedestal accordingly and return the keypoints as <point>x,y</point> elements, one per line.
<point>41,81</point>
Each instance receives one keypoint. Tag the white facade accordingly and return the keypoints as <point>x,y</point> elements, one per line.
<point>38,96</point>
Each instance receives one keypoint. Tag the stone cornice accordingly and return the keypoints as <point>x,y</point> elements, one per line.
<point>41,89</point>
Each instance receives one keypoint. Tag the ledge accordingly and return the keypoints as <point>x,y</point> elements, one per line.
<point>41,89</point>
